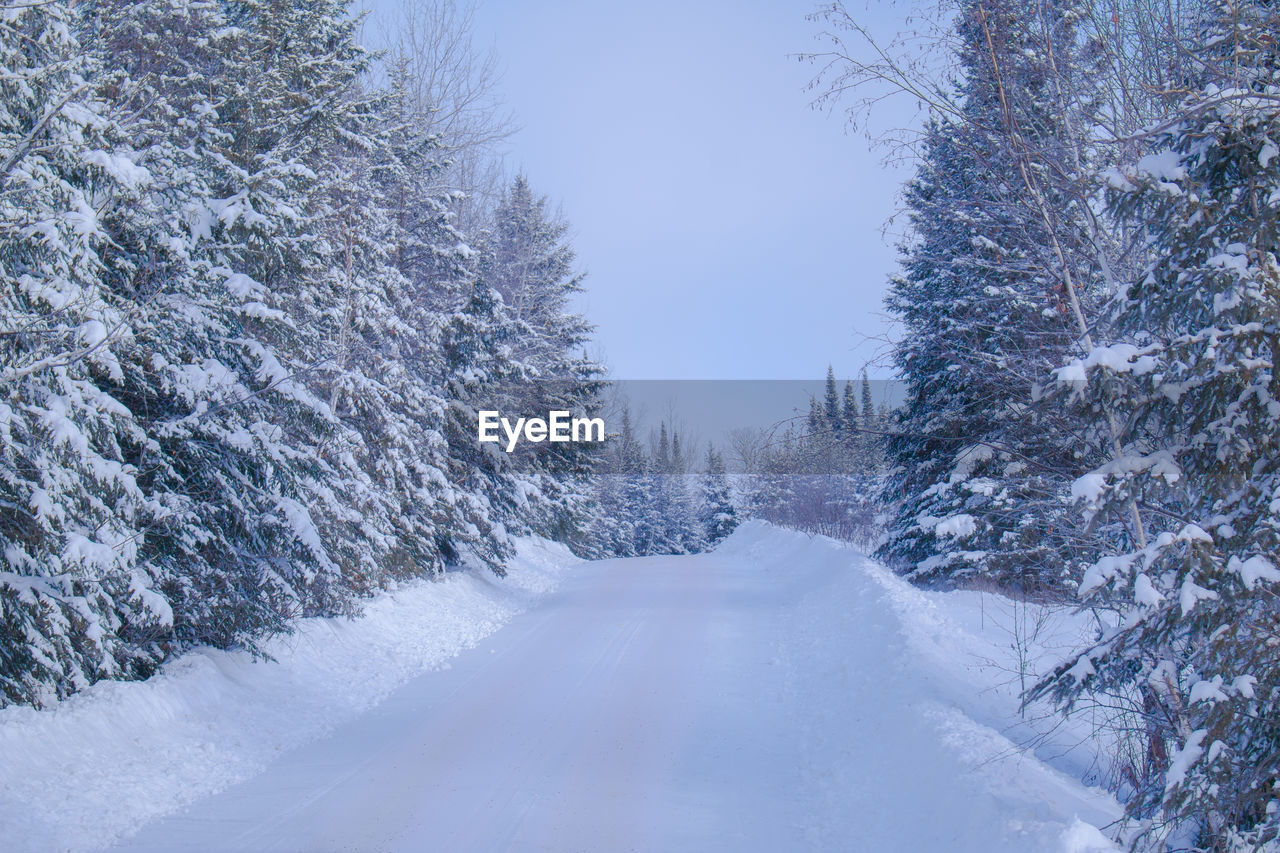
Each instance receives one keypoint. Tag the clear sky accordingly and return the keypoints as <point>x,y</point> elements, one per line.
<point>729,230</point>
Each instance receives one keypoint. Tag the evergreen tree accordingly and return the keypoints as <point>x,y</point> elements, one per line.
<point>234,527</point>
<point>284,100</point>
<point>871,439</point>
<point>831,405</point>
<point>849,416</point>
<point>484,485</point>
<point>408,336</point>
<point>638,498</point>
<point>869,420</point>
<point>665,497</point>
<point>627,524</point>
<point>243,343</point>
<point>1197,377</point>
<point>684,523</point>
<point>717,515</point>
<point>978,476</point>
<point>678,462</point>
<point>814,422</point>
<point>527,260</point>
<point>73,507</point>
<point>530,263</point>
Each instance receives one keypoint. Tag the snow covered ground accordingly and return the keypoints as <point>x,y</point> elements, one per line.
<point>781,693</point>
<point>78,776</point>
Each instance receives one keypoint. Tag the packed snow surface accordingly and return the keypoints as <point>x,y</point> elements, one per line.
<point>780,693</point>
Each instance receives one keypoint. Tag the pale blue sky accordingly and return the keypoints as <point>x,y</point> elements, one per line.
<point>730,231</point>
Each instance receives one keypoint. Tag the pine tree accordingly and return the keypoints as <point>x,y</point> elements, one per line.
<point>626,523</point>
<point>988,313</point>
<point>717,513</point>
<point>1197,376</point>
<point>684,525</point>
<point>485,488</point>
<point>452,337</point>
<point>73,508</point>
<point>869,420</point>
<point>831,406</point>
<point>243,342</point>
<point>216,550</point>
<point>814,422</point>
<point>285,99</point>
<point>528,261</point>
<point>849,416</point>
<point>665,501</point>
<point>638,501</point>
<point>871,440</point>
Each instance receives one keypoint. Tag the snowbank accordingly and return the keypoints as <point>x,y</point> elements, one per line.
<point>81,774</point>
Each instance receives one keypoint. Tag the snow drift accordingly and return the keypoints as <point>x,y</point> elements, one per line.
<point>104,761</point>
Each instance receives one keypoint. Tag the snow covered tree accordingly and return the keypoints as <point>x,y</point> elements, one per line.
<point>192,391</point>
<point>666,504</point>
<point>626,524</point>
<point>1193,491</point>
<point>528,262</point>
<point>673,510</point>
<point>691,538</point>
<point>989,296</point>
<point>850,421</point>
<point>242,340</point>
<point>390,353</point>
<point>72,511</point>
<point>717,513</point>
<point>831,406</point>
<point>476,343</point>
<point>283,100</point>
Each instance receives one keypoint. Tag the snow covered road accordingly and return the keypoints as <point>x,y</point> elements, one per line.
<point>629,711</point>
<point>763,697</point>
<point>782,693</point>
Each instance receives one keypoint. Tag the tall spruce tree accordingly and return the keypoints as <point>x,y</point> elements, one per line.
<point>1197,379</point>
<point>72,510</point>
<point>849,413</point>
<point>284,100</point>
<point>831,405</point>
<point>871,426</point>
<point>210,437</point>
<point>978,474</point>
<point>869,420</point>
<point>666,501</point>
<point>527,260</point>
